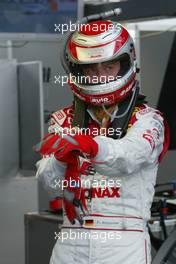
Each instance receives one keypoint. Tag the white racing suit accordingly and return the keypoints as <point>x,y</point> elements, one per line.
<point>115,231</point>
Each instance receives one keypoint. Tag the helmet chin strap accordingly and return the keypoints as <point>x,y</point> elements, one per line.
<point>125,111</point>
<point>130,103</point>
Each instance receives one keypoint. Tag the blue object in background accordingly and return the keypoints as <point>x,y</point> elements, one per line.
<point>36,16</point>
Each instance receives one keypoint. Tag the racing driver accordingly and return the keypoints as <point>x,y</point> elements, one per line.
<point>118,140</point>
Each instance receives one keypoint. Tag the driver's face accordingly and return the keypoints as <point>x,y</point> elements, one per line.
<point>102,72</point>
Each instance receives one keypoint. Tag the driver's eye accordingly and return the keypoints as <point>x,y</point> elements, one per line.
<point>109,67</point>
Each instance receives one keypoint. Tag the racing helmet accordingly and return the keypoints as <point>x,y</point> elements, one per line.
<point>100,45</point>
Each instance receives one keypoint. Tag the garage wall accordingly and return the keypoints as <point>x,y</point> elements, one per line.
<point>154,57</point>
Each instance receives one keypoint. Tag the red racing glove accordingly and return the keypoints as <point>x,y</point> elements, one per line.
<point>81,144</point>
<point>68,149</point>
<point>62,146</point>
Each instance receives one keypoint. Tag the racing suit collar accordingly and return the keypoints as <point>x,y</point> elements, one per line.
<point>93,116</point>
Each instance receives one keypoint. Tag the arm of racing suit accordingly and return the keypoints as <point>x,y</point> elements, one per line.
<point>141,146</point>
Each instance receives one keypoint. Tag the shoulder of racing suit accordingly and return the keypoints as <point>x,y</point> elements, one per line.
<point>64,118</point>
<point>158,116</point>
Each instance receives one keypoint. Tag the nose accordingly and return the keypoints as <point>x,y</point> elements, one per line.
<point>99,71</point>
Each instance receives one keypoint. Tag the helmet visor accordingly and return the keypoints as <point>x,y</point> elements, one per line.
<point>103,72</point>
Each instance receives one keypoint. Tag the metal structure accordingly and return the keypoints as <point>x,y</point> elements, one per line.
<point>134,9</point>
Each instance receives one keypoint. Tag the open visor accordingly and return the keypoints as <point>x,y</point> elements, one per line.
<point>103,72</point>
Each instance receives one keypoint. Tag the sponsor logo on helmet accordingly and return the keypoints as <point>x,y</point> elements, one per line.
<point>126,90</point>
<point>96,56</point>
<point>102,100</point>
